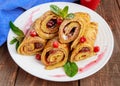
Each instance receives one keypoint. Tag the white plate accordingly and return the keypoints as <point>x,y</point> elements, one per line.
<point>88,66</point>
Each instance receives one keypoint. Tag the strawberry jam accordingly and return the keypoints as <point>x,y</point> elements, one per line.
<point>52,23</point>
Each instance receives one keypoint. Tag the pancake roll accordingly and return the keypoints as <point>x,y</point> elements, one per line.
<point>86,49</point>
<point>71,29</point>
<point>32,44</point>
<point>46,25</point>
<point>53,57</point>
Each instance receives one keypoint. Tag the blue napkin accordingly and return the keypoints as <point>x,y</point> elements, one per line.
<point>11,9</point>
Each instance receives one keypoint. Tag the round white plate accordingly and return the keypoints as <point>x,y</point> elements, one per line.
<point>86,67</point>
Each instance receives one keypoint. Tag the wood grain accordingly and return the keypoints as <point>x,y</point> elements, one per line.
<point>29,80</point>
<point>8,69</point>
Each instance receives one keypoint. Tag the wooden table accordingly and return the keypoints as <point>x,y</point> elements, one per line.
<point>109,75</point>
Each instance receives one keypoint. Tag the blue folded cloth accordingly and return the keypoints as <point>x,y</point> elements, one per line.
<point>11,9</point>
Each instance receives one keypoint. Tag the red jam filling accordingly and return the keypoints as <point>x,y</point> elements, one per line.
<point>52,23</point>
<point>85,49</point>
<point>38,45</point>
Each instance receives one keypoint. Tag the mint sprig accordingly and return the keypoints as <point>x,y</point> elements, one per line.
<point>18,32</point>
<point>70,68</point>
<point>13,41</point>
<point>55,9</point>
<point>61,12</point>
<point>64,12</point>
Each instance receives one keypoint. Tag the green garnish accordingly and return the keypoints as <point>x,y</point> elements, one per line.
<point>71,69</point>
<point>17,44</point>
<point>65,11</point>
<point>61,12</point>
<point>13,41</point>
<point>55,9</point>
<point>18,32</point>
<point>70,16</point>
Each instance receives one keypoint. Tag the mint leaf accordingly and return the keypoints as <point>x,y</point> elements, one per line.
<point>70,16</point>
<point>17,44</point>
<point>71,69</point>
<point>65,11</point>
<point>19,33</point>
<point>55,9</point>
<point>61,12</point>
<point>20,39</point>
<point>16,30</point>
<point>17,40</point>
<point>13,41</point>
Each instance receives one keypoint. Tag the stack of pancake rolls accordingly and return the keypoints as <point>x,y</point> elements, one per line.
<point>59,40</point>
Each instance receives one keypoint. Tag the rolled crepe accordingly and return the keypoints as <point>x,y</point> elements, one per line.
<point>46,26</point>
<point>54,57</point>
<point>71,29</point>
<point>85,50</point>
<point>31,45</point>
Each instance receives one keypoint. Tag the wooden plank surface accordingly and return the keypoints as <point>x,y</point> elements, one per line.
<point>109,75</point>
<point>8,69</point>
<point>29,80</point>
